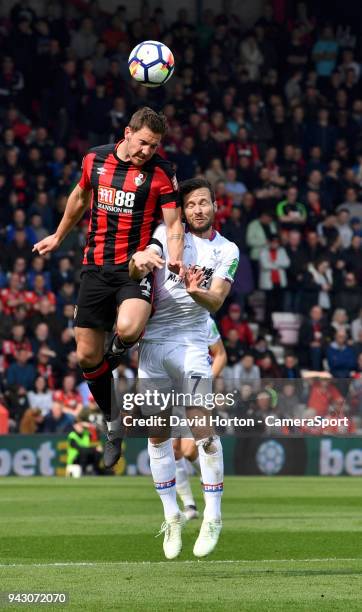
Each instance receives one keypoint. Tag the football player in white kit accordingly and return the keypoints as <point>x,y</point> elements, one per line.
<point>185,448</point>
<point>174,346</point>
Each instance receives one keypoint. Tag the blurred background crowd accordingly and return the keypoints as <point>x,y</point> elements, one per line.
<point>271,115</point>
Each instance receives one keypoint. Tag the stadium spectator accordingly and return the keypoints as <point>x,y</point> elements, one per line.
<point>38,268</point>
<point>325,53</point>
<point>341,356</point>
<point>343,227</point>
<point>349,295</point>
<point>258,233</point>
<point>81,450</point>
<point>57,421</point>
<point>21,373</point>
<point>356,327</point>
<point>234,320</point>
<point>298,261</point>
<point>351,202</point>
<point>83,41</point>
<point>247,372</point>
<point>312,336</point>
<point>352,257</point>
<point>69,397</point>
<point>291,213</point>
<point>234,351</point>
<point>273,262</point>
<point>317,285</point>
<point>290,368</point>
<point>4,417</point>
<point>235,189</point>
<point>40,396</point>
<point>339,321</point>
<point>324,397</point>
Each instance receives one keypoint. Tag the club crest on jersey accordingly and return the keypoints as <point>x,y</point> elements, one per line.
<point>140,179</point>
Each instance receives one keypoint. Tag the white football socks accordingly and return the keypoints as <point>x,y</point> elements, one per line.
<point>212,473</point>
<point>163,469</point>
<point>183,487</point>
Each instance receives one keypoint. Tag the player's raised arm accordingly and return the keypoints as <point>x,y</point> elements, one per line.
<point>175,239</point>
<point>77,203</point>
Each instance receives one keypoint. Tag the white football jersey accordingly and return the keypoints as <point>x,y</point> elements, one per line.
<point>177,317</point>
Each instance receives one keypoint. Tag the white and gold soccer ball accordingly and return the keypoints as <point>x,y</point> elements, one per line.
<point>151,63</point>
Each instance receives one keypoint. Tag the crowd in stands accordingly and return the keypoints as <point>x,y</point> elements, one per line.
<point>271,115</point>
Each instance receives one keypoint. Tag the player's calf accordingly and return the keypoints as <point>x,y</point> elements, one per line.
<point>101,385</point>
<point>212,473</point>
<point>163,469</point>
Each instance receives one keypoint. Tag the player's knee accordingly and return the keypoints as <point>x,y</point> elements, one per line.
<point>209,446</point>
<point>128,330</point>
<point>87,358</point>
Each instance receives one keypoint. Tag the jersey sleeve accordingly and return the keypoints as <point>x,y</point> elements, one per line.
<point>158,241</point>
<point>228,264</point>
<point>168,186</point>
<point>85,179</point>
<point>213,334</point>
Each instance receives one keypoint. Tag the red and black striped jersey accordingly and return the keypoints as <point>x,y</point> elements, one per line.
<point>126,203</point>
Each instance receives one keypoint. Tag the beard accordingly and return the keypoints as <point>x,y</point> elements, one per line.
<point>200,229</point>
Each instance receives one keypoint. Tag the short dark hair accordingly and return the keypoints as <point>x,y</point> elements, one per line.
<point>147,117</point>
<point>190,185</point>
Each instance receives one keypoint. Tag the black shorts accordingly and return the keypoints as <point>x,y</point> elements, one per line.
<point>102,290</point>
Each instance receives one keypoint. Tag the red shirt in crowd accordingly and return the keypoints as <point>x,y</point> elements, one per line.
<point>242,327</point>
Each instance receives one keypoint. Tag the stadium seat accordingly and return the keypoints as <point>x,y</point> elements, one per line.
<point>287,324</point>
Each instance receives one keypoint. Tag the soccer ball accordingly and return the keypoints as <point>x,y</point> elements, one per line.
<point>151,63</point>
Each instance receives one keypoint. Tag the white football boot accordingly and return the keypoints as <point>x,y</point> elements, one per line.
<point>172,542</point>
<point>208,537</point>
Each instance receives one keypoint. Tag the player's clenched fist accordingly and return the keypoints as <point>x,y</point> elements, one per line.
<point>144,262</point>
<point>47,245</point>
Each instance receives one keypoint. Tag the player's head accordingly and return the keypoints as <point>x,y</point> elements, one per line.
<point>143,135</point>
<point>198,202</point>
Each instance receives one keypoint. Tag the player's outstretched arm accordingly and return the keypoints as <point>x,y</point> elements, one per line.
<point>143,262</point>
<point>77,204</point>
<point>212,299</point>
<point>175,240</point>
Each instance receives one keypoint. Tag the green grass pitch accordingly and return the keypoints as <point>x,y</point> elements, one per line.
<point>287,544</point>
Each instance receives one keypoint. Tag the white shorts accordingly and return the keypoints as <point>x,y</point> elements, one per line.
<point>173,361</point>
<point>169,367</point>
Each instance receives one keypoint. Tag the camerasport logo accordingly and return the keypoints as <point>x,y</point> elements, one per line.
<point>115,200</point>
